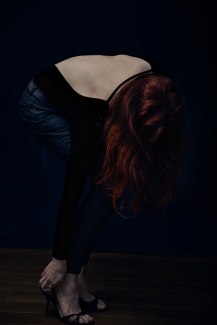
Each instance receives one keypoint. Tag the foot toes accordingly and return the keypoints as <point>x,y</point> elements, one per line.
<point>101,304</point>
<point>86,318</point>
<point>82,320</point>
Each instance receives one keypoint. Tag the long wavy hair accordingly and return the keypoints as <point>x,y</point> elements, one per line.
<point>144,142</point>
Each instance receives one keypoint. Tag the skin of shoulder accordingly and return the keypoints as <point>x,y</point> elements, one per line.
<point>97,75</point>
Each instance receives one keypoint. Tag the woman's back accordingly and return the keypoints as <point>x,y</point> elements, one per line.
<point>98,76</point>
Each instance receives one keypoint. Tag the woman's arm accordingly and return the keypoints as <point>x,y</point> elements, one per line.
<point>85,139</point>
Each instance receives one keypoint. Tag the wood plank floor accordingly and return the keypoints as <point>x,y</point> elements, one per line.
<point>139,290</point>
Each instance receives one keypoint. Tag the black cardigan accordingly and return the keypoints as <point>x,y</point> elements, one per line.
<point>87,117</point>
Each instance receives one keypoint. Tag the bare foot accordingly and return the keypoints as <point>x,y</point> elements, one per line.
<point>53,273</point>
<point>84,292</point>
<point>68,298</point>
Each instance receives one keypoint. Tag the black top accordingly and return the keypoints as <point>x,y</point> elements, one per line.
<point>87,116</point>
<point>85,113</point>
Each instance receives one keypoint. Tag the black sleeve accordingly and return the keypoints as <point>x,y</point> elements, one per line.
<point>81,161</point>
<point>87,117</point>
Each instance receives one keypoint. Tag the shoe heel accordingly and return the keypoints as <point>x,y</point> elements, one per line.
<point>47,307</point>
<point>48,301</point>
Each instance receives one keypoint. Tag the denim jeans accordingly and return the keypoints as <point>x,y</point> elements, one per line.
<point>94,207</point>
<point>42,120</point>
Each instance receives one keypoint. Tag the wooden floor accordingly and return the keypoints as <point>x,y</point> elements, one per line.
<point>139,290</point>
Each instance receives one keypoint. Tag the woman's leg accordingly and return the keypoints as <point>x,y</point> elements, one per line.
<point>92,215</point>
<point>54,130</point>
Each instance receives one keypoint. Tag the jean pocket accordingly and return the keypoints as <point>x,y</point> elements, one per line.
<point>32,113</point>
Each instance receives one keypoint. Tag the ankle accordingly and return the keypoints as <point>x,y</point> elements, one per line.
<point>70,281</point>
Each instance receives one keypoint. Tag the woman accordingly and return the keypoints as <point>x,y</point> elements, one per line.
<point>117,121</point>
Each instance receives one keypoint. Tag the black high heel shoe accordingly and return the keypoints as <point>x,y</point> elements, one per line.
<point>51,297</point>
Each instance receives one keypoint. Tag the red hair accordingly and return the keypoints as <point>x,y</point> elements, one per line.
<point>143,141</point>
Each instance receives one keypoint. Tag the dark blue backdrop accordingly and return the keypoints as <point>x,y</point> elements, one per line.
<point>180,35</point>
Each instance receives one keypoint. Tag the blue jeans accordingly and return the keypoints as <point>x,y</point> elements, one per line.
<point>94,208</point>
<point>42,120</point>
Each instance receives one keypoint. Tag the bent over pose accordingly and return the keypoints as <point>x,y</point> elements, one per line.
<point>117,122</point>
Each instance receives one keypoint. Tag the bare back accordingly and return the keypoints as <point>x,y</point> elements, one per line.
<point>98,75</point>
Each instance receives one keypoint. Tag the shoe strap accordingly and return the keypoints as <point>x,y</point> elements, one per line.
<point>66,318</point>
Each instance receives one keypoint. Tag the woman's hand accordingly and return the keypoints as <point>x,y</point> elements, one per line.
<point>53,273</point>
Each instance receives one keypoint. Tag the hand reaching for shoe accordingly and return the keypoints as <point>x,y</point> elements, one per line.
<point>53,273</point>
